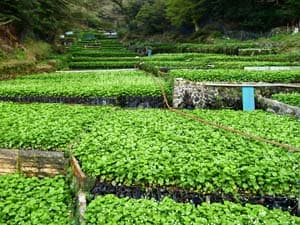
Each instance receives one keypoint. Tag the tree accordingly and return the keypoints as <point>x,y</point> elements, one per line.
<point>187,11</point>
<point>151,18</point>
<point>291,10</point>
<point>42,18</point>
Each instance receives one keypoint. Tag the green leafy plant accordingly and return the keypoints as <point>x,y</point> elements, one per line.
<point>204,64</point>
<point>290,99</point>
<point>92,84</point>
<point>44,126</point>
<point>34,201</point>
<point>155,148</point>
<point>231,75</point>
<point>102,65</point>
<point>112,210</point>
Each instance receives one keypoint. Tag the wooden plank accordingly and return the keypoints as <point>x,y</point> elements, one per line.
<point>39,165</point>
<point>9,153</point>
<point>53,157</point>
<point>8,166</point>
<point>32,162</point>
<point>12,162</point>
<point>52,171</point>
<point>29,169</point>
<point>82,204</point>
<point>7,171</point>
<point>77,172</point>
<point>76,168</point>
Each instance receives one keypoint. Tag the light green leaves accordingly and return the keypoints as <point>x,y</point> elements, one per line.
<point>34,201</point>
<point>93,84</point>
<point>233,75</point>
<point>159,148</point>
<point>290,99</point>
<point>112,210</point>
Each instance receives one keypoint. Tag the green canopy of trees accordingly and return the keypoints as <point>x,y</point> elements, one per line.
<point>45,18</point>
<point>255,15</point>
<point>42,18</point>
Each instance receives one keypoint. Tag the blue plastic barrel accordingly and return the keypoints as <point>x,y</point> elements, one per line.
<point>248,98</point>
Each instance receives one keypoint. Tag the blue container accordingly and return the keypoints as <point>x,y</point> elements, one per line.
<point>149,52</point>
<point>248,98</point>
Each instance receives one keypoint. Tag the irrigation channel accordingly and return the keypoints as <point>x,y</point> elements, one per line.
<point>122,136</point>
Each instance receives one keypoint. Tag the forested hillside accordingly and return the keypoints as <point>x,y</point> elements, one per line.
<point>45,19</point>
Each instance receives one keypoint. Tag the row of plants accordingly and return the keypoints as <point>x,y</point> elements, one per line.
<point>235,75</point>
<point>202,64</point>
<point>220,48</point>
<point>155,148</point>
<point>107,53</point>
<point>92,84</point>
<point>102,64</point>
<point>112,210</point>
<point>220,57</point>
<point>98,47</point>
<point>290,99</point>
<point>35,201</point>
<point>103,59</point>
<point>94,47</point>
<point>45,126</point>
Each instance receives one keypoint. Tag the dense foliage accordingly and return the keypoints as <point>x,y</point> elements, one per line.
<point>47,18</point>
<point>104,59</point>
<point>203,64</point>
<point>44,126</point>
<point>156,16</point>
<point>112,210</point>
<point>159,148</point>
<point>231,75</point>
<point>92,84</point>
<point>107,53</point>
<point>221,57</point>
<point>219,61</point>
<point>102,64</point>
<point>291,99</point>
<point>34,201</point>
<point>41,17</point>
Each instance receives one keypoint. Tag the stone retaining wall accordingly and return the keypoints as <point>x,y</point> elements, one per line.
<point>122,101</point>
<point>278,107</point>
<point>190,94</point>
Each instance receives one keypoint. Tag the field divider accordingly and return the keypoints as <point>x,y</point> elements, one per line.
<point>221,126</point>
<point>77,172</point>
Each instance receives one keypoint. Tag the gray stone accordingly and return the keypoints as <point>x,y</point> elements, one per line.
<point>277,107</point>
<point>188,94</point>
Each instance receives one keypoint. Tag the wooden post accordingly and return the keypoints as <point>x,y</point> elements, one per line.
<point>77,172</point>
<point>82,205</point>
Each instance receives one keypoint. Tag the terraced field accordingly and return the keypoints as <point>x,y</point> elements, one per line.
<point>151,166</point>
